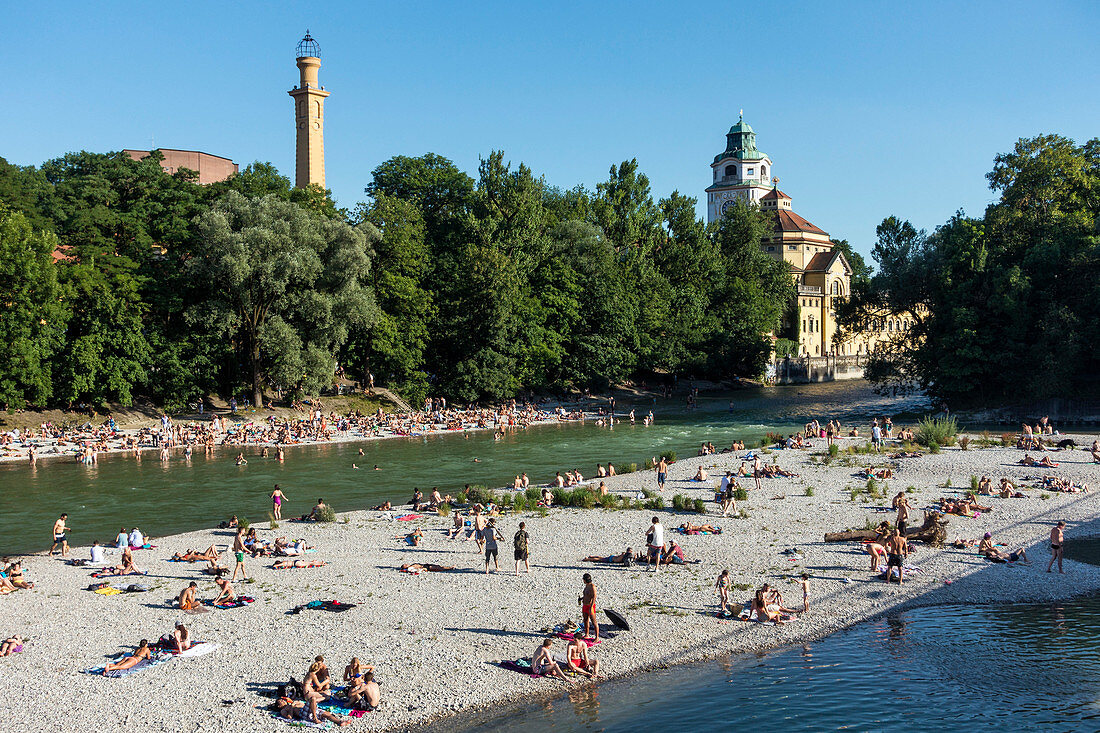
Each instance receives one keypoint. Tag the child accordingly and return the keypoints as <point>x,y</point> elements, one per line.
<point>805,583</point>
<point>722,585</point>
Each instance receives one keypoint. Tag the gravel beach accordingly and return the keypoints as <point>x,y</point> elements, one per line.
<point>433,638</point>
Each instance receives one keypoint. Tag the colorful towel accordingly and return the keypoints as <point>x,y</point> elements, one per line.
<point>241,601</point>
<point>108,591</point>
<point>569,637</point>
<point>523,666</point>
<point>409,517</point>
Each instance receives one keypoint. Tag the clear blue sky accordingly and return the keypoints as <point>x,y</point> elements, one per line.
<point>867,109</point>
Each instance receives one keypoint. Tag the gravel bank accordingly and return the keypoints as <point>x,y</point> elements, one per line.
<point>433,637</point>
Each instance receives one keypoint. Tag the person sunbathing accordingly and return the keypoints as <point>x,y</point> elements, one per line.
<point>689,528</point>
<point>310,713</point>
<point>700,475</point>
<point>620,559</point>
<point>383,507</point>
<point>414,537</point>
<point>226,596</point>
<point>181,637</point>
<point>543,663</point>
<point>287,564</point>
<point>15,577</point>
<point>130,660</point>
<point>11,645</point>
<point>430,567</point>
<point>210,556</point>
<point>318,683</point>
<point>995,554</point>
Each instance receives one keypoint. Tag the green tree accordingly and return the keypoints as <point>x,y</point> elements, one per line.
<point>33,316</point>
<point>861,271</point>
<point>286,286</point>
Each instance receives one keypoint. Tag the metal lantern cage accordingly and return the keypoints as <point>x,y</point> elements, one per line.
<point>308,47</point>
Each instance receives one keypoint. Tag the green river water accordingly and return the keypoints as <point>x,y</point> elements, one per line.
<point>182,495</point>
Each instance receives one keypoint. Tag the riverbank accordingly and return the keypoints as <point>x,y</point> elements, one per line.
<point>434,637</point>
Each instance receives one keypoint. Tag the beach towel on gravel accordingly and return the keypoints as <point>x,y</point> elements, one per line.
<point>409,517</point>
<point>241,601</point>
<point>523,666</point>
<point>334,606</point>
<point>301,723</point>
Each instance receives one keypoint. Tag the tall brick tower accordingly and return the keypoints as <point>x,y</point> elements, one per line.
<point>309,116</point>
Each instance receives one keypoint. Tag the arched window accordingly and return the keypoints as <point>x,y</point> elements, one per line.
<point>731,171</point>
<point>763,172</point>
<point>836,287</point>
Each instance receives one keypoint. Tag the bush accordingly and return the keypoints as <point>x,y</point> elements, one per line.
<point>973,482</point>
<point>534,496</point>
<point>633,467</point>
<point>506,499</point>
<point>243,523</point>
<point>774,437</point>
<point>649,493</point>
<point>1008,440</point>
<point>655,504</point>
<point>809,491</point>
<point>271,523</point>
<point>327,514</point>
<point>444,509</point>
<point>939,430</point>
<point>964,442</point>
<point>561,497</point>
<point>933,447</point>
<point>520,502</point>
<point>700,506</point>
<point>669,456</point>
<point>911,490</point>
<point>678,502</point>
<point>739,494</point>
<point>610,501</point>
<point>834,449</point>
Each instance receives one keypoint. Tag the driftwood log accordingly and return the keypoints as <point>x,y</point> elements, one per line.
<point>932,532</point>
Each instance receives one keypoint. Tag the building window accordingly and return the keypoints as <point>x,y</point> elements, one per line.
<point>763,172</point>
<point>792,246</point>
<point>748,172</point>
<point>731,171</point>
<point>771,249</point>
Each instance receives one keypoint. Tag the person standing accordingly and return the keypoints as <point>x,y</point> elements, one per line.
<point>756,470</point>
<point>491,535</point>
<point>876,436</point>
<point>61,535</point>
<point>277,499</point>
<point>903,514</point>
<point>655,544</point>
<point>722,587</point>
<point>588,607</point>
<point>896,551</point>
<point>1057,543</point>
<point>520,543</point>
<point>239,550</point>
<point>662,473</point>
<point>804,581</point>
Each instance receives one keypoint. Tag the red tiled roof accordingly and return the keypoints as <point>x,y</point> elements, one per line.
<point>775,193</point>
<point>788,221</point>
<point>820,262</point>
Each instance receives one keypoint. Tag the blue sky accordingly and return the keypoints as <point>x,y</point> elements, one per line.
<point>866,109</point>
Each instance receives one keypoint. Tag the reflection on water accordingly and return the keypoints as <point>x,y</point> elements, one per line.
<point>180,494</point>
<point>948,669</point>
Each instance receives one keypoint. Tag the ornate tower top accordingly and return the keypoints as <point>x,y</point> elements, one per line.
<point>741,142</point>
<point>308,48</point>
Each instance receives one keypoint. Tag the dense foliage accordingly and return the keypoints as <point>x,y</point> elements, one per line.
<point>1007,306</point>
<point>121,280</point>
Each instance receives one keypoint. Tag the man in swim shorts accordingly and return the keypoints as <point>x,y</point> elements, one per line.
<point>662,473</point>
<point>896,551</point>
<point>490,536</point>
<point>588,607</point>
<point>576,655</point>
<point>186,597</point>
<point>519,543</point>
<point>1057,540</point>
<point>238,551</point>
<point>60,535</point>
<point>542,663</point>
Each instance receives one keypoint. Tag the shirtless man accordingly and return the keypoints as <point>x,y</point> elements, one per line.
<point>576,654</point>
<point>992,552</point>
<point>480,523</point>
<point>238,551</point>
<point>1057,540</point>
<point>61,535</point>
<point>542,663</point>
<point>320,507</point>
<point>902,504</point>
<point>226,595</point>
<point>310,713</point>
<point>588,606</point>
<point>417,567</point>
<point>757,471</point>
<point>186,598</point>
<point>896,551</point>
<point>619,559</point>
<point>662,473</point>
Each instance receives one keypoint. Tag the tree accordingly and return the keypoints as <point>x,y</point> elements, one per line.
<point>861,271</point>
<point>286,286</point>
<point>33,316</point>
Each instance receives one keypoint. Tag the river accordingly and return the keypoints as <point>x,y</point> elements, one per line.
<point>181,495</point>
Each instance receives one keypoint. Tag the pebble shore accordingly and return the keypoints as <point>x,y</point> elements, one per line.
<point>434,638</point>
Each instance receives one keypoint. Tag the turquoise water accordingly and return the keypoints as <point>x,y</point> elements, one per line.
<point>948,669</point>
<point>181,495</point>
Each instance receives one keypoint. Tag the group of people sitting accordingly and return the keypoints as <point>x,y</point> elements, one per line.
<point>11,577</point>
<point>767,605</point>
<point>1064,485</point>
<point>1005,490</point>
<point>577,660</point>
<point>360,692</point>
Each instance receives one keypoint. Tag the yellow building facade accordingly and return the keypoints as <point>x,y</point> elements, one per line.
<point>309,116</point>
<point>821,274</point>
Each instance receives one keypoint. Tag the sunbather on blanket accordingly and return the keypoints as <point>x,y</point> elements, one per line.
<point>226,595</point>
<point>620,559</point>
<point>130,660</point>
<point>287,564</point>
<point>995,554</point>
<point>11,645</point>
<point>542,663</point>
<point>689,528</point>
<point>210,556</point>
<point>1044,461</point>
<point>418,567</point>
<point>298,710</point>
<point>186,598</point>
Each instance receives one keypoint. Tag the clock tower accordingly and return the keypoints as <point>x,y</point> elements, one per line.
<point>740,172</point>
<point>309,116</point>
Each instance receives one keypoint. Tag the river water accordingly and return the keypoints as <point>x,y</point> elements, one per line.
<point>181,495</point>
<point>950,669</point>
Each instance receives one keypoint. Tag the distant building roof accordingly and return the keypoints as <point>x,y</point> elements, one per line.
<point>211,168</point>
<point>788,221</point>
<point>776,194</point>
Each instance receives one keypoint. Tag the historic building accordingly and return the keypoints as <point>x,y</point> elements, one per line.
<point>309,116</point>
<point>211,168</point>
<point>821,274</point>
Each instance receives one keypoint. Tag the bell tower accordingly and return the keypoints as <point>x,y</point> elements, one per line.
<point>309,116</point>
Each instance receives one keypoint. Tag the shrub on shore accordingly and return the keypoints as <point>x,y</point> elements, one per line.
<point>933,447</point>
<point>939,430</point>
<point>444,509</point>
<point>834,449</point>
<point>678,502</point>
<point>243,523</point>
<point>964,442</point>
<point>327,514</point>
<point>700,506</point>
<point>973,482</point>
<point>739,494</point>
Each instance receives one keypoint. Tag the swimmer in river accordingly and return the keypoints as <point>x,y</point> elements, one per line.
<point>376,468</point>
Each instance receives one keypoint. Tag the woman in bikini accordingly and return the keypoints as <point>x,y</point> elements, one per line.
<point>11,645</point>
<point>132,660</point>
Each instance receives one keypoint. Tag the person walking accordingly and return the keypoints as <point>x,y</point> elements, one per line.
<point>662,473</point>
<point>655,544</point>
<point>238,551</point>
<point>277,499</point>
<point>1057,545</point>
<point>490,536</point>
<point>520,543</point>
<point>61,535</point>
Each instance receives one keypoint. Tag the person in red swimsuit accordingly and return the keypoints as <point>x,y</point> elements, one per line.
<point>588,607</point>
